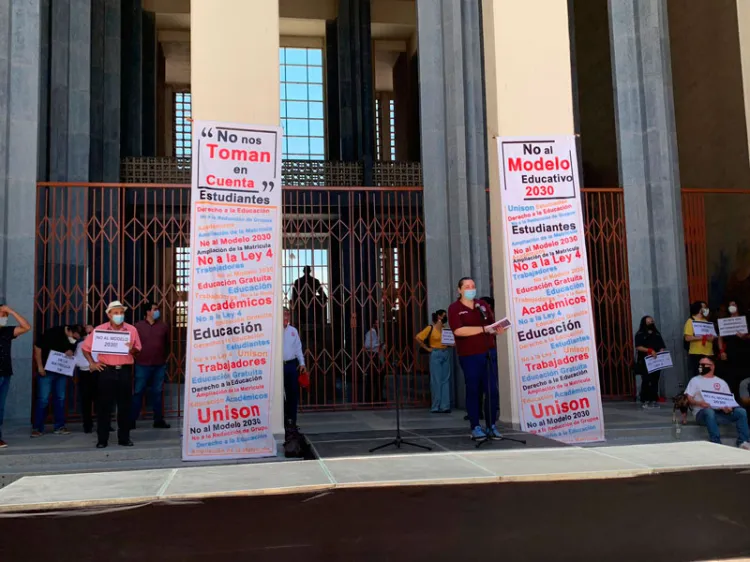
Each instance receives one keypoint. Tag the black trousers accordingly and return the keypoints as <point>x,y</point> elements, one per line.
<point>650,386</point>
<point>114,386</point>
<point>87,386</point>
<point>291,393</point>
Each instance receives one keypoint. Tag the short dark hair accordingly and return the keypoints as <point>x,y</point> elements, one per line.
<point>462,280</point>
<point>77,329</point>
<point>148,305</point>
<point>695,308</point>
<point>710,358</point>
<point>437,314</point>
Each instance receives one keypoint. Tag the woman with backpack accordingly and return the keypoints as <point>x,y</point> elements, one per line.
<point>648,342</point>
<point>697,346</point>
<point>430,341</point>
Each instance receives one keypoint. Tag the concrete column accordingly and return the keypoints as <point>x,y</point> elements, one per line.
<point>649,171</point>
<point>58,89</point>
<point>453,147</point>
<point>105,90</point>
<point>743,22</point>
<point>149,84</point>
<point>453,150</point>
<point>333,136</point>
<point>70,90</point>
<point>112,70</point>
<point>228,84</point>
<point>20,49</point>
<point>356,89</point>
<point>132,78</point>
<point>79,90</point>
<point>529,92</point>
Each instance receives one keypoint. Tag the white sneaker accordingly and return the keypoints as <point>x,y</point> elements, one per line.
<point>745,446</point>
<point>645,406</point>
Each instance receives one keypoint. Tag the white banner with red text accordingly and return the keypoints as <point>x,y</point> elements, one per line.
<point>232,311</point>
<point>552,325</point>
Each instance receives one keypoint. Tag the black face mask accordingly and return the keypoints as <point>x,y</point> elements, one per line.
<point>704,369</point>
<point>651,327</point>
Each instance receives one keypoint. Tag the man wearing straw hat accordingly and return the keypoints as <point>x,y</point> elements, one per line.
<point>114,372</point>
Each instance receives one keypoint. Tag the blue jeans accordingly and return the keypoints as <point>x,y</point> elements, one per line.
<point>153,376</point>
<point>54,384</point>
<point>4,387</point>
<point>712,419</point>
<point>476,372</point>
<point>440,378</point>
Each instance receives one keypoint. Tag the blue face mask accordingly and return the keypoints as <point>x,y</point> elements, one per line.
<point>157,314</point>
<point>470,294</point>
<point>118,318</point>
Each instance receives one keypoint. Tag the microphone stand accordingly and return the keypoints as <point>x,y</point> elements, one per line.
<point>398,441</point>
<point>488,397</point>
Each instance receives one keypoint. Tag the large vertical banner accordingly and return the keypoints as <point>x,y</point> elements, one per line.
<point>232,310</point>
<point>556,367</point>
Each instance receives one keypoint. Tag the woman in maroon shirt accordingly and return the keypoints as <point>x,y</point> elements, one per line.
<point>470,320</point>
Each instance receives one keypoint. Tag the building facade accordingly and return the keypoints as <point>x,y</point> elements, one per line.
<point>390,110</point>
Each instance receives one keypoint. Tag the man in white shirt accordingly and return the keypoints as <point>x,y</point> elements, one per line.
<point>294,365</point>
<point>371,384</point>
<point>707,416</point>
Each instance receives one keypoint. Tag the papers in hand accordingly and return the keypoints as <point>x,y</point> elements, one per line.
<point>663,360</point>
<point>503,323</point>
<point>60,363</point>
<point>719,400</point>
<point>733,326</point>
<point>111,342</point>
<point>703,329</point>
<point>447,337</point>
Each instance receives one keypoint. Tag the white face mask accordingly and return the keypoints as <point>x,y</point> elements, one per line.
<point>3,321</point>
<point>732,309</point>
<point>705,312</point>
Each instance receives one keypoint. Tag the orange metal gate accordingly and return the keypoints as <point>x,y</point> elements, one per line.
<point>363,246</point>
<point>352,256</point>
<point>717,245</point>
<point>606,244</point>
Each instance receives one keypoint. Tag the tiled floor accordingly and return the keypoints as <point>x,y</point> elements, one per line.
<point>333,434</point>
<point>324,475</point>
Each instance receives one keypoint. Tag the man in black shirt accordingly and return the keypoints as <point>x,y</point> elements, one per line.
<point>60,339</point>
<point>7,335</point>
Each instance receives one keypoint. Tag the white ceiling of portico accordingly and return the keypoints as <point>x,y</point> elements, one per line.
<point>391,20</point>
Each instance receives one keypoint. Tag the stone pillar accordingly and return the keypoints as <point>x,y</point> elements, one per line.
<point>229,85</point>
<point>20,49</point>
<point>70,90</point>
<point>333,138</point>
<point>649,171</point>
<point>454,178</point>
<point>132,78</point>
<point>356,88</point>
<point>453,150</point>
<point>105,90</point>
<point>150,69</point>
<point>529,92</point>
<point>743,23</point>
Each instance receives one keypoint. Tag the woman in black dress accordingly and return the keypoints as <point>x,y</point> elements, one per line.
<point>648,342</point>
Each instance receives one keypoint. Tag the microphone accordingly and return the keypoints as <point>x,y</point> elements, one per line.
<point>480,308</point>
